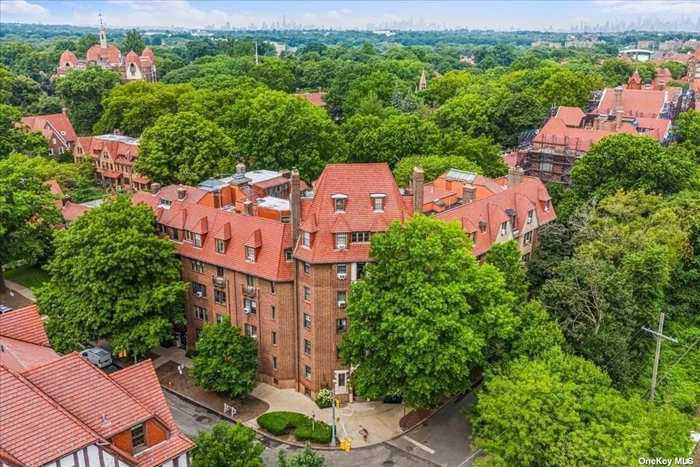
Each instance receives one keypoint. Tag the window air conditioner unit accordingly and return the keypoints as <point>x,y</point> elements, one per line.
<point>342,276</point>
<point>342,304</point>
<point>199,294</point>
<point>219,281</point>
<point>246,310</point>
<point>254,336</point>
<point>341,247</point>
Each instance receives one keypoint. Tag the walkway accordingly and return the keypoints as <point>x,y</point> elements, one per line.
<point>174,354</point>
<point>20,289</point>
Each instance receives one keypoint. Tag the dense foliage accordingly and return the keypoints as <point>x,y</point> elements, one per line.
<point>281,423</point>
<point>227,446</point>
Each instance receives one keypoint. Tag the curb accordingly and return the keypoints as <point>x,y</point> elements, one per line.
<point>200,405</point>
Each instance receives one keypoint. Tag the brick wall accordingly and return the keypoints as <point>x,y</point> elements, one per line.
<point>154,433</point>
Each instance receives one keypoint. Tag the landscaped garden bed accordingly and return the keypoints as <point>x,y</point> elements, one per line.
<point>247,408</point>
<point>301,426</point>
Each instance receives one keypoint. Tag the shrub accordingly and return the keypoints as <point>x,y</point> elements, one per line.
<point>324,398</point>
<point>191,353</point>
<point>281,423</point>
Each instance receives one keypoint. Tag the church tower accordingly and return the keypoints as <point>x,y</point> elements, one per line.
<point>103,34</point>
<point>423,83</point>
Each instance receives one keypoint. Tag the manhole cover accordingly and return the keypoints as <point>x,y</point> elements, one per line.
<point>409,448</point>
<point>203,419</point>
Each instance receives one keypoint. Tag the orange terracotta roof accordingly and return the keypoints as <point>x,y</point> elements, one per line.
<point>637,102</point>
<point>132,57</point>
<point>571,116</point>
<point>25,325</point>
<point>358,182</point>
<point>555,131</point>
<point>192,195</point>
<point>316,98</point>
<point>269,183</point>
<point>115,148</point>
<point>431,193</point>
<point>57,123</point>
<point>173,447</point>
<point>110,53</point>
<point>491,210</point>
<point>19,355</point>
<point>71,211</point>
<point>511,159</point>
<point>148,53</point>
<point>68,57</point>
<point>56,191</point>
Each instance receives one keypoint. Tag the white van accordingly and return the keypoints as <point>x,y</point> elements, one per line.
<point>98,357</point>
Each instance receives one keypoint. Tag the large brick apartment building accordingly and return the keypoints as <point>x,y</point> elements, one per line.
<point>281,268</point>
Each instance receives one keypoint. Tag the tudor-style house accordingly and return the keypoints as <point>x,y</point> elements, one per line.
<point>114,156</point>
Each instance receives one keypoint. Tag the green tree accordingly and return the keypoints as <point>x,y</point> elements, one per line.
<point>45,105</point>
<point>112,277</point>
<point>433,167</point>
<point>554,246</point>
<point>275,73</point>
<point>570,88</point>
<point>184,148</point>
<point>14,138</point>
<point>278,131</point>
<point>440,90</point>
<point>27,211</point>
<point>688,131</point>
<point>83,91</point>
<point>514,113</point>
<point>23,92</point>
<point>628,162</point>
<point>409,104</point>
<point>84,44</point>
<point>616,71</point>
<point>228,445</point>
<point>507,259</point>
<point>371,105</point>
<point>481,150</point>
<point>469,113</point>
<point>226,361</point>
<point>306,458</point>
<point>133,41</point>
<point>425,314</point>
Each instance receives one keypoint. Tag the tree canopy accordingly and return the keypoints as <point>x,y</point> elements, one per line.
<point>228,445</point>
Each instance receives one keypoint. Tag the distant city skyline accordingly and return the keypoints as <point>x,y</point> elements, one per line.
<point>588,15</point>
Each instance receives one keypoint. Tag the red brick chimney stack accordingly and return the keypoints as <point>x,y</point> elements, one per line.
<point>418,183</point>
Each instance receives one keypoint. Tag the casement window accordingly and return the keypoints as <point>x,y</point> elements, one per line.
<point>201,313</point>
<point>274,338</point>
<point>199,290</point>
<point>307,268</point>
<point>197,240</point>
<point>307,321</point>
<point>219,271</point>
<point>307,347</point>
<point>546,206</point>
<point>341,241</point>
<point>306,239</point>
<point>249,280</point>
<point>339,202</point>
<point>530,215</point>
<point>272,288</point>
<point>188,235</point>
<point>219,318</point>
<point>250,254</point>
<point>60,150</point>
<point>220,297</point>
<point>273,313</point>
<point>546,167</point>
<point>175,234</point>
<point>307,294</point>
<point>341,296</point>
<point>138,436</point>
<point>527,239</point>
<point>359,237</point>
<point>341,271</point>
<point>473,237</point>
<point>50,151</point>
<point>378,201</point>
<point>288,255</point>
<point>251,330</point>
<point>526,257</point>
<point>360,270</point>
<point>274,363</point>
<point>250,306</point>
<point>162,201</point>
<point>220,246</point>
<point>504,228</point>
<point>164,229</point>
<point>285,219</point>
<point>341,325</point>
<point>307,372</point>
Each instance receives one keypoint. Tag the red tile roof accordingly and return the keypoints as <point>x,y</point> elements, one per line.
<point>88,393</point>
<point>636,102</point>
<point>571,116</point>
<point>33,428</point>
<point>555,131</point>
<point>24,324</point>
<point>275,237</point>
<point>67,57</point>
<point>19,355</point>
<point>110,53</point>
<point>358,182</point>
<point>522,198</point>
<point>431,193</point>
<point>115,148</point>
<point>316,98</point>
<point>71,211</point>
<point>58,122</point>
<point>132,57</point>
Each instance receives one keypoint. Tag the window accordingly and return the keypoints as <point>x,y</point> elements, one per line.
<point>360,270</point>
<point>219,318</point>
<point>274,363</point>
<point>307,347</point>
<point>528,238</point>
<point>288,255</point>
<point>530,214</point>
<point>274,338</point>
<point>175,234</point>
<point>504,228</point>
<point>341,325</point>
<point>201,313</point>
<point>307,294</point>
<point>219,271</point>
<point>199,290</point>
<point>341,297</point>
<point>307,321</point>
<point>138,436</point>
<point>249,280</point>
<point>285,219</point>
<point>526,257</point>
<point>251,330</point>
<point>220,247</point>
<point>272,287</point>
<point>251,306</point>
<point>273,313</point>
<point>197,266</point>
<point>337,353</point>
<point>339,204</point>
<point>473,237</point>
<point>545,167</point>
<point>220,297</point>
<point>341,241</point>
<point>306,239</point>
<point>164,229</point>
<point>197,240</point>
<point>546,206</point>
<point>359,237</point>
<point>164,202</point>
<point>341,270</point>
<point>188,235</point>
<point>250,254</point>
<point>308,372</point>
<point>307,268</point>
<point>197,334</point>
<point>341,379</point>
<point>378,202</point>
<point>60,150</point>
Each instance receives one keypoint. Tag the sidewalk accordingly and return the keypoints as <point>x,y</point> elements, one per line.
<point>20,289</point>
<point>174,354</point>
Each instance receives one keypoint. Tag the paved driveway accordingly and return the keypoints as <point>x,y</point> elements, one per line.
<point>189,418</point>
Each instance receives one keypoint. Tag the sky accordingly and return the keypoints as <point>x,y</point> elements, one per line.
<point>344,14</point>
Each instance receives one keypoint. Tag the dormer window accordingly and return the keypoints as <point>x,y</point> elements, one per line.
<point>378,201</point>
<point>504,228</point>
<point>188,236</point>
<point>220,246</point>
<point>197,240</point>
<point>473,237</point>
<point>288,255</point>
<point>250,254</point>
<point>162,202</point>
<point>530,214</point>
<point>546,206</point>
<point>341,241</point>
<point>306,239</point>
<point>482,225</point>
<point>339,202</point>
<point>138,436</point>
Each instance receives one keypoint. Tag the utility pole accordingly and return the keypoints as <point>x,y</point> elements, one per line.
<point>333,419</point>
<point>256,52</point>
<point>659,335</point>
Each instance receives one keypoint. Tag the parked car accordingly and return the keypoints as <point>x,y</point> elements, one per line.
<point>98,357</point>
<point>5,309</point>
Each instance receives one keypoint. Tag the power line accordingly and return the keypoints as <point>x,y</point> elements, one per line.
<point>680,358</point>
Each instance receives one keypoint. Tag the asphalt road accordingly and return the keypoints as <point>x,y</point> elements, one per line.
<point>189,418</point>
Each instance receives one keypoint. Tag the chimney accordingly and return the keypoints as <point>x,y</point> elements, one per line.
<point>155,187</point>
<point>65,200</point>
<point>181,193</point>
<point>618,118</point>
<point>418,180</point>
<point>617,101</point>
<point>64,111</point>
<point>248,207</point>
<point>240,168</point>
<point>295,198</point>
<point>319,89</point>
<point>515,176</point>
<point>468,194</point>
<point>117,132</point>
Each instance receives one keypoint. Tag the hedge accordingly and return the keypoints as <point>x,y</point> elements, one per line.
<point>281,423</point>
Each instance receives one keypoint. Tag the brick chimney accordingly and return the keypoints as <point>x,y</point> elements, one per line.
<point>117,132</point>
<point>617,100</point>
<point>248,207</point>
<point>468,194</point>
<point>181,193</point>
<point>295,203</point>
<point>515,176</point>
<point>64,111</point>
<point>155,187</point>
<point>418,182</point>
<point>240,168</point>
<point>618,118</point>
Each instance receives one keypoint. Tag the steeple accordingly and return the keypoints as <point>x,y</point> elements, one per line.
<point>103,33</point>
<point>423,83</point>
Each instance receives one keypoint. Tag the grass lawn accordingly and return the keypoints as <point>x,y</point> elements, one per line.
<point>28,276</point>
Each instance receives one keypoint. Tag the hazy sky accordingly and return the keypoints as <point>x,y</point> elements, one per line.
<point>345,14</point>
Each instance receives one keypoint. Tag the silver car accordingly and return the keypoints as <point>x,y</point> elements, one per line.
<point>98,357</point>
